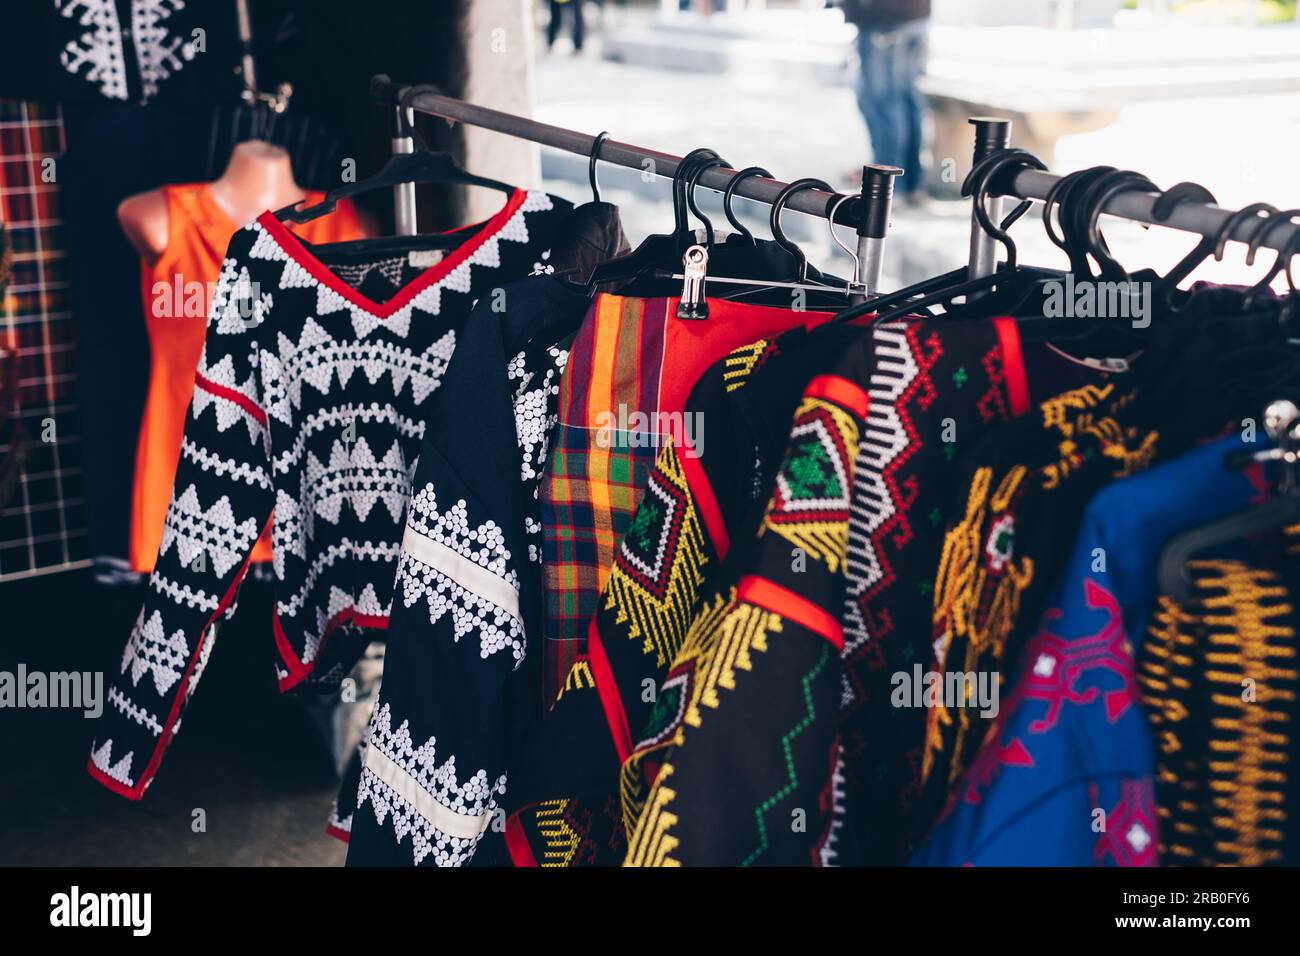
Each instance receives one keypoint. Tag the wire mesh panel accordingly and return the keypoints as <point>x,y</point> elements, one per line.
<point>42,517</point>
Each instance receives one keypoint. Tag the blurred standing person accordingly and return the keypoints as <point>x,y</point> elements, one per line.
<point>893,40</point>
<point>553,28</point>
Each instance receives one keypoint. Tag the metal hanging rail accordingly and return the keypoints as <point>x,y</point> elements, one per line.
<point>1203,219</point>
<point>1200,218</point>
<point>813,202</point>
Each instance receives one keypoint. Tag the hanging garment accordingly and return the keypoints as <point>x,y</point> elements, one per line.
<point>1221,685</point>
<point>631,370</point>
<point>175,292</point>
<point>536,310</point>
<point>310,400</point>
<point>461,688</point>
<point>748,814</point>
<point>1024,490</point>
<point>697,499</point>
<point>1063,774</point>
<point>731,771</point>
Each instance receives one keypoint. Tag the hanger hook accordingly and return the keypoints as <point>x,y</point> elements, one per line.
<point>406,112</point>
<point>857,264</point>
<point>1283,257</point>
<point>685,167</point>
<point>1099,193</point>
<point>691,181</point>
<point>601,138</point>
<point>979,183</point>
<point>730,191</point>
<point>1241,215</point>
<point>1057,196</point>
<point>779,234</point>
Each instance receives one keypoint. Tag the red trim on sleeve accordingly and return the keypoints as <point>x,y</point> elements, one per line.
<point>706,502</point>
<point>610,701</point>
<point>521,854</point>
<point>841,391</point>
<point>338,833</point>
<point>239,398</point>
<point>772,597</point>
<point>1013,361</point>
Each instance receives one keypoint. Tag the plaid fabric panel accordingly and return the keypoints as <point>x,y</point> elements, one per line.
<point>42,523</point>
<point>598,469</point>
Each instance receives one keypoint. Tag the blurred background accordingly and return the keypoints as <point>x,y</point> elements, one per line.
<point>1204,90</point>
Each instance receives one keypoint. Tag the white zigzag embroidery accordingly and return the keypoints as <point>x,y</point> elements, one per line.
<point>214,532</point>
<point>318,360</point>
<point>227,410</point>
<point>150,649</point>
<point>476,797</point>
<point>484,545</point>
<point>102,756</point>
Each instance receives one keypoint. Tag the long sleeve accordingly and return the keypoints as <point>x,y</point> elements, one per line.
<point>221,501</point>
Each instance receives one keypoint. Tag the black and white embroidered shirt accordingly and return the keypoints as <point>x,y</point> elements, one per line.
<point>461,691</point>
<point>309,402</point>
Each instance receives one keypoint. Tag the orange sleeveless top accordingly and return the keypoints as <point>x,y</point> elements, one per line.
<point>177,291</point>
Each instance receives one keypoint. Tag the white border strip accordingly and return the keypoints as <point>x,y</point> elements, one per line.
<point>474,578</point>
<point>448,821</point>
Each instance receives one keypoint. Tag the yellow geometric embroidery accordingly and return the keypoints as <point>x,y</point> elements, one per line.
<point>740,363</point>
<point>660,623</point>
<point>810,507</point>
<point>578,678</point>
<point>651,842</point>
<point>633,788</point>
<point>561,840</point>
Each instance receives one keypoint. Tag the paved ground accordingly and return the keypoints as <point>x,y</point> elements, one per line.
<point>247,758</point>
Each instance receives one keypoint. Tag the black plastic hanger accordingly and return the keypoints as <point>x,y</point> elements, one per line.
<point>1283,260</point>
<point>730,192</point>
<point>596,144</point>
<point>1168,201</point>
<point>1282,422</point>
<point>421,166</point>
<point>657,253</point>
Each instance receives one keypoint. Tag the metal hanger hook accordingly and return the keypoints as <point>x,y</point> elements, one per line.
<point>779,234</point>
<point>601,138</point>
<point>857,264</point>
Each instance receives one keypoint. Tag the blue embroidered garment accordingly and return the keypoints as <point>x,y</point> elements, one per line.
<point>1065,774</point>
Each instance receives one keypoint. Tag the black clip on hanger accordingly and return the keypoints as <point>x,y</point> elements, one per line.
<point>1281,423</point>
<point>596,144</point>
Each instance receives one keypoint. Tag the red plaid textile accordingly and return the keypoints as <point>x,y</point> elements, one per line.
<point>42,525</point>
<point>632,357</point>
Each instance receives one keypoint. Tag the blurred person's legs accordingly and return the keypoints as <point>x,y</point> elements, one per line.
<point>557,14</point>
<point>891,102</point>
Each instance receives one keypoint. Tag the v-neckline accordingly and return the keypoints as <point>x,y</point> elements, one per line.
<point>303,256</point>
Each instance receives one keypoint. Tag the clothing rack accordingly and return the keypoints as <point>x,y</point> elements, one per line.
<point>867,213</point>
<point>1205,219</point>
